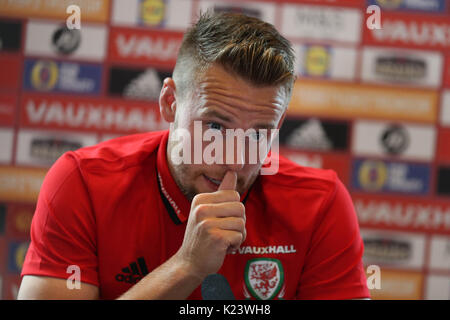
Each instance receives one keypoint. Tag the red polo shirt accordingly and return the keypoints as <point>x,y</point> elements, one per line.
<point>115,211</point>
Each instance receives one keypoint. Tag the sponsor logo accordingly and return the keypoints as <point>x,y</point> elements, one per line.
<point>410,67</point>
<point>42,148</point>
<point>145,46</point>
<point>264,278</point>
<point>323,61</point>
<point>90,115</point>
<point>134,272</point>
<point>409,142</point>
<point>399,249</point>
<point>140,84</point>
<point>321,23</point>
<point>314,98</point>
<point>92,10</point>
<point>400,69</point>
<point>163,14</point>
<point>10,36</point>
<point>16,256</point>
<point>65,41</point>
<point>384,249</point>
<point>51,149</point>
<point>314,134</point>
<point>443,185</point>
<point>402,214</point>
<point>266,250</point>
<point>152,12</point>
<point>394,139</point>
<point>50,39</point>
<point>410,31</point>
<point>317,61</point>
<point>413,5</point>
<point>375,176</point>
<point>45,75</point>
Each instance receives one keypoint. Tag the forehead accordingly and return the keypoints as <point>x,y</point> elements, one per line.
<point>218,89</point>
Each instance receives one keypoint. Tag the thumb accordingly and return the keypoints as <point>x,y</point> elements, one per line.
<point>229,181</point>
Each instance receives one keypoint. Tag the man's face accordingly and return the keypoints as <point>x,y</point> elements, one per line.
<point>221,101</point>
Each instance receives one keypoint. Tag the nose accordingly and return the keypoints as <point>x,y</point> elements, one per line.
<point>235,154</point>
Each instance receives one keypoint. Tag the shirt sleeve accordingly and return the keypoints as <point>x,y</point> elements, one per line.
<point>333,266</point>
<point>63,226</point>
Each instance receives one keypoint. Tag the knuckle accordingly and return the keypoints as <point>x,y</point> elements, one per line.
<point>201,211</point>
<point>205,225</point>
<point>215,236</point>
<point>198,199</point>
<point>236,195</point>
<point>240,207</point>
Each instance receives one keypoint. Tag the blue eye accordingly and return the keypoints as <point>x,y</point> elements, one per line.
<point>215,126</point>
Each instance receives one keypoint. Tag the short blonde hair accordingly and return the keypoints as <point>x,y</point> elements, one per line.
<point>246,46</point>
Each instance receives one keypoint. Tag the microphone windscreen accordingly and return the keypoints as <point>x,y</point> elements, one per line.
<point>216,287</point>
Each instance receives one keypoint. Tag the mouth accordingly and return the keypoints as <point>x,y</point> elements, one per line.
<point>214,183</point>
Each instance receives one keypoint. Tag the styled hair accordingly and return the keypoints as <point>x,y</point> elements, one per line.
<point>243,45</point>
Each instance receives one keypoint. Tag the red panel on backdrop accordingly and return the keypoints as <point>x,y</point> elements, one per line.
<point>443,152</point>
<point>8,108</point>
<point>403,213</point>
<point>10,66</point>
<point>447,72</point>
<point>339,162</point>
<point>144,46</point>
<point>89,114</point>
<point>411,31</point>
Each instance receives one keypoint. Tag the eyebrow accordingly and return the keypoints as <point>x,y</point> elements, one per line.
<point>215,114</point>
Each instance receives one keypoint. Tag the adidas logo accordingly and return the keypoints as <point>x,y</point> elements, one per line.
<point>310,135</point>
<point>134,272</point>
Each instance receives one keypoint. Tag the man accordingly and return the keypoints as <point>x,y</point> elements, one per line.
<point>139,224</point>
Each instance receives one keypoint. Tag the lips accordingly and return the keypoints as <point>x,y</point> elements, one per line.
<point>215,181</point>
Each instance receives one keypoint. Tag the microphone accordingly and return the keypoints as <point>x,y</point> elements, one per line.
<point>216,287</point>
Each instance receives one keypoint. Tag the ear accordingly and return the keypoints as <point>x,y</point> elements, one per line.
<point>167,100</point>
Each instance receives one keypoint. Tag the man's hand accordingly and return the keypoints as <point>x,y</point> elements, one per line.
<point>216,226</point>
